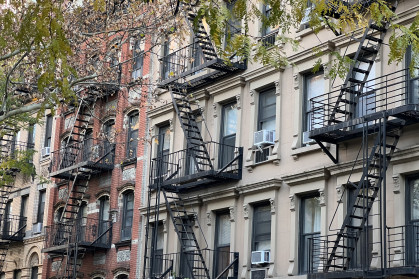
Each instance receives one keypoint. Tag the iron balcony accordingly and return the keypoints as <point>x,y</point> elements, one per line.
<point>12,227</point>
<point>97,156</point>
<point>88,233</point>
<point>178,170</point>
<point>390,94</point>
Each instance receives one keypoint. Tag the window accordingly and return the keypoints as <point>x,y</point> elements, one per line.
<point>306,19</point>
<point>413,77</point>
<point>365,102</point>
<point>309,228</point>
<point>7,227</point>
<point>17,274</point>
<point>103,217</point>
<point>48,131</point>
<point>261,237</point>
<point>233,23</point>
<point>34,272</point>
<point>109,134</point>
<point>228,133</point>
<point>127,215</point>
<point>187,261</point>
<point>88,146</point>
<point>313,87</point>
<point>31,136</point>
<point>82,222</point>
<point>132,137</point>
<point>23,213</point>
<point>190,162</point>
<point>41,207</point>
<point>363,247</point>
<point>222,243</point>
<point>166,66</point>
<point>266,119</point>
<point>412,220</point>
<point>163,148</point>
<point>266,11</point>
<point>158,252</point>
<point>138,57</point>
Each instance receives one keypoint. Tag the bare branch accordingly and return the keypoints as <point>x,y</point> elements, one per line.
<point>24,109</point>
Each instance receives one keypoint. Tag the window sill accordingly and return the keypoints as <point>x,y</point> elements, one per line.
<point>128,161</point>
<point>272,157</point>
<point>301,33</point>
<point>123,243</point>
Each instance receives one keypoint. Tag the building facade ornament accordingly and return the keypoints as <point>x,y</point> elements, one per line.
<point>339,193</point>
<point>208,218</point>
<point>252,97</point>
<point>238,100</point>
<point>171,124</point>
<point>296,81</point>
<point>164,221</point>
<point>214,110</point>
<point>396,184</point>
<point>292,202</point>
<point>272,203</point>
<point>246,211</point>
<point>277,88</point>
<point>232,213</point>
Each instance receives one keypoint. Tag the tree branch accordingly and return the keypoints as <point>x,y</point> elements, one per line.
<point>27,108</point>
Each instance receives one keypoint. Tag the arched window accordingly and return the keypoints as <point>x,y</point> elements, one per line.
<point>127,214</point>
<point>109,134</point>
<point>132,136</point>
<point>88,146</point>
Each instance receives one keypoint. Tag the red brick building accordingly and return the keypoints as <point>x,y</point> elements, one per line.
<point>92,228</point>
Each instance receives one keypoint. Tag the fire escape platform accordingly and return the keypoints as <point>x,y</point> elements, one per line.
<point>94,167</point>
<point>407,114</point>
<point>408,271</point>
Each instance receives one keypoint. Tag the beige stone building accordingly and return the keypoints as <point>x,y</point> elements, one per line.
<point>299,174</point>
<point>24,215</point>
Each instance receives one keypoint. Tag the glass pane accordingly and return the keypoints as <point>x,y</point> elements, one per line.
<point>230,120</point>
<point>262,228</point>
<point>224,228</point>
<point>314,88</point>
<point>311,215</point>
<point>414,198</point>
<point>160,237</point>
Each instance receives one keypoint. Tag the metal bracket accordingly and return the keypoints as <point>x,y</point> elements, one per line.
<point>335,158</point>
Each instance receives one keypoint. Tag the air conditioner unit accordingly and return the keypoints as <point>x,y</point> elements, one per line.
<point>37,228</point>
<point>258,274</point>
<point>261,257</point>
<point>264,137</point>
<point>45,151</point>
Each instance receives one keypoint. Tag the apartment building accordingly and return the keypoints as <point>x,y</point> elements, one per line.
<point>97,169</point>
<point>23,200</point>
<point>259,172</point>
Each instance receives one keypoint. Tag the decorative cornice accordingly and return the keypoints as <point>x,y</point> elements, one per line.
<point>261,72</point>
<point>307,54</point>
<point>226,85</point>
<point>160,110</point>
<point>269,184</point>
<point>306,176</point>
<point>126,185</point>
<point>104,192</point>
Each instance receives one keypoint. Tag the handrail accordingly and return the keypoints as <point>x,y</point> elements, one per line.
<point>227,268</point>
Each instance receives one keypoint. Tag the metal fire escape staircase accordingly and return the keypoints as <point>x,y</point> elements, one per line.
<point>368,48</point>
<point>77,180</point>
<point>375,161</point>
<point>6,140</point>
<point>365,193</point>
<point>180,88</point>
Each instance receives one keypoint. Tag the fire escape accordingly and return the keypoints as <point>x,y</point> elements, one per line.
<point>172,174</point>
<point>375,110</point>
<point>77,161</point>
<point>12,228</point>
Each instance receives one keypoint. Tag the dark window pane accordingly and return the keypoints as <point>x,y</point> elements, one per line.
<point>261,238</point>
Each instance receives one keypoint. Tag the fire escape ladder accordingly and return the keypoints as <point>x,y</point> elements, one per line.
<point>364,194</point>
<point>196,146</point>
<point>200,34</point>
<point>78,181</point>
<point>184,229</point>
<point>357,77</point>
<point>6,142</point>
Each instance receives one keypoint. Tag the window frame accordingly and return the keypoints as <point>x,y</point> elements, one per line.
<point>410,223</point>
<point>132,135</point>
<point>266,29</point>
<point>303,264</point>
<point>126,231</point>
<point>410,80</point>
<point>264,208</point>
<point>226,150</point>
<point>138,59</point>
<point>220,248</point>
<point>48,131</point>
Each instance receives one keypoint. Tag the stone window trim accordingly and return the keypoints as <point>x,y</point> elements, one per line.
<point>107,118</point>
<point>125,187</point>
<point>120,271</point>
<point>103,193</point>
<point>274,150</point>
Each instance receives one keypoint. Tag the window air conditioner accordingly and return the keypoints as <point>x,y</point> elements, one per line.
<point>306,139</point>
<point>261,257</point>
<point>37,228</point>
<point>264,137</point>
<point>258,274</point>
<point>45,151</point>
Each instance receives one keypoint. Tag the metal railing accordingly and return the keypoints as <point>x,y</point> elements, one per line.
<point>96,151</point>
<point>181,60</point>
<point>403,245</point>
<point>379,94</point>
<point>220,264</point>
<point>10,149</point>
<point>13,227</point>
<point>224,159</point>
<point>85,231</point>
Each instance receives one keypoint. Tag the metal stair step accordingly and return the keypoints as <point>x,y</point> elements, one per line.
<point>365,60</point>
<point>354,80</point>
<point>369,50</point>
<point>378,28</point>
<point>372,38</point>
<point>362,71</point>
